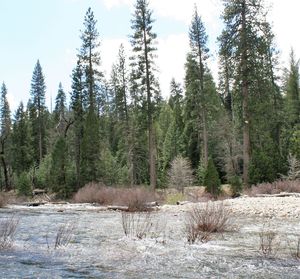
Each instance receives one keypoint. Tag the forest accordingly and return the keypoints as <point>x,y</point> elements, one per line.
<point>120,131</point>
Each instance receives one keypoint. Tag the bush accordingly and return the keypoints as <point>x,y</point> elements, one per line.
<point>137,224</point>
<point>202,222</point>
<point>180,174</point>
<point>289,186</point>
<point>236,185</point>
<point>268,243</point>
<point>211,179</point>
<point>8,229</point>
<point>135,199</point>
<point>23,185</point>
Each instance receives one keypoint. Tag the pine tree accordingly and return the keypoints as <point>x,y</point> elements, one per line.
<point>292,92</point>
<point>60,104</point>
<point>211,179</point>
<point>22,152</point>
<point>5,136</point>
<point>38,112</point>
<point>89,58</point>
<point>142,42</point>
<point>77,109</point>
<point>247,50</point>
<point>198,43</point>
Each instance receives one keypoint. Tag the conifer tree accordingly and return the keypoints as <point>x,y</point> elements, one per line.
<point>5,136</point>
<point>211,179</point>
<point>22,153</point>
<point>142,41</point>
<point>38,112</point>
<point>292,92</point>
<point>89,57</point>
<point>77,109</point>
<point>60,104</point>
<point>246,49</point>
<point>198,43</point>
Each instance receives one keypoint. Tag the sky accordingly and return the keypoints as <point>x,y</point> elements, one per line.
<point>49,30</point>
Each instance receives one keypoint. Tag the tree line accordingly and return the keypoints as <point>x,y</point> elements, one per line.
<point>120,131</point>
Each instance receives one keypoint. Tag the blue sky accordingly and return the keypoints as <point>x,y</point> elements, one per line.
<point>48,30</point>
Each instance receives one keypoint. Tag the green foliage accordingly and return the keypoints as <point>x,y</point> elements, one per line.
<point>24,184</point>
<point>265,166</point>
<point>90,149</point>
<point>212,181</point>
<point>41,174</point>
<point>236,185</point>
<point>201,173</point>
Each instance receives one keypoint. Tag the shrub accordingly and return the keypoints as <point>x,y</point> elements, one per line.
<point>202,222</point>
<point>211,179</point>
<point>267,243</point>
<point>180,174</point>
<point>23,185</point>
<point>236,185</point>
<point>95,193</point>
<point>289,186</point>
<point>137,224</point>
<point>64,235</point>
<point>3,200</point>
<point>136,199</point>
<point>294,169</point>
<point>8,229</point>
<point>295,248</point>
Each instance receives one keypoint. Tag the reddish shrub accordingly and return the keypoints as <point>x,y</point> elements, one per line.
<point>136,199</point>
<point>289,186</point>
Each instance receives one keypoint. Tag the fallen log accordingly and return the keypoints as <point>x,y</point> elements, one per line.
<point>280,195</point>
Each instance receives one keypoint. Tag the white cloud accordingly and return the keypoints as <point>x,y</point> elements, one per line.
<point>285,18</point>
<point>171,53</point>
<point>109,51</point>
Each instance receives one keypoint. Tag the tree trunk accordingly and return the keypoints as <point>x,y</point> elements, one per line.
<point>151,139</point>
<point>245,96</point>
<point>5,170</point>
<point>205,140</point>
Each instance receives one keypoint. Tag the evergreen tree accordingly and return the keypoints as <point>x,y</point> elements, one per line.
<point>247,50</point>
<point>211,179</point>
<point>292,106</point>
<point>59,167</point>
<point>77,109</point>
<point>60,104</point>
<point>38,112</point>
<point>198,43</point>
<point>89,57</point>
<point>142,42</point>
<point>21,142</point>
<point>5,136</point>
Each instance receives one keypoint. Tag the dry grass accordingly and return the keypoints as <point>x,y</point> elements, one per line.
<point>8,229</point>
<point>268,243</point>
<point>289,186</point>
<point>294,247</point>
<point>64,235</point>
<point>136,199</point>
<point>202,222</point>
<point>137,224</point>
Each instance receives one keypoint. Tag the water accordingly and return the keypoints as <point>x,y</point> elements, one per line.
<point>99,248</point>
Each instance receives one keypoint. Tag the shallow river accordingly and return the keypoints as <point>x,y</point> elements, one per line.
<point>99,248</point>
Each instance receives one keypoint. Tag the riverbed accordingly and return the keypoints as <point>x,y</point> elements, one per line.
<point>98,247</point>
